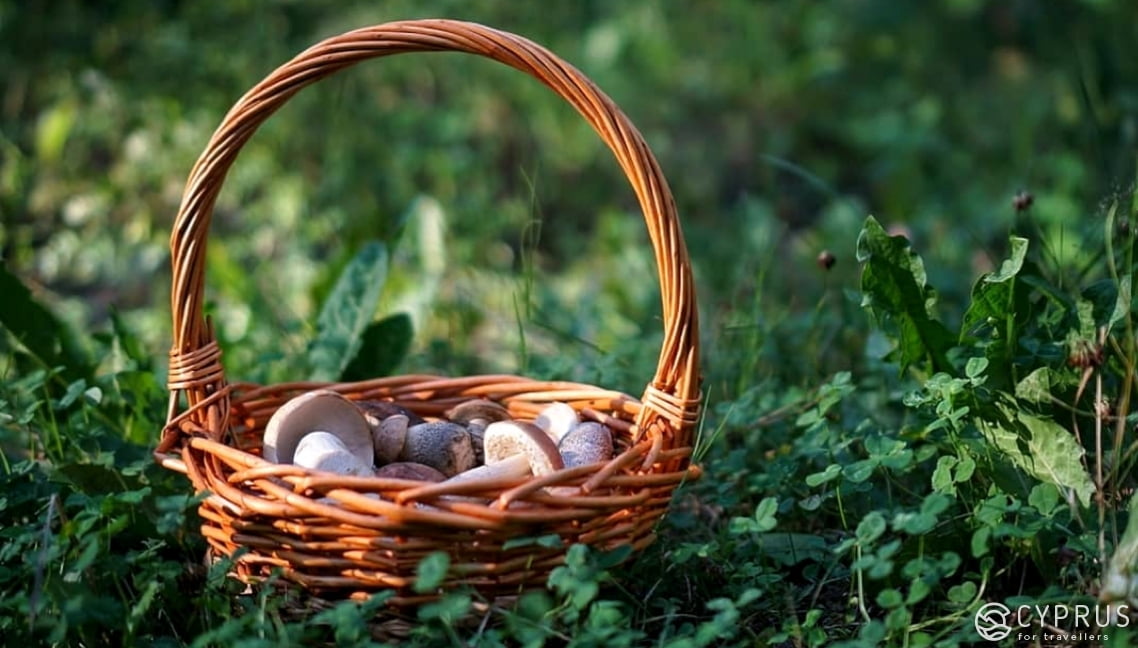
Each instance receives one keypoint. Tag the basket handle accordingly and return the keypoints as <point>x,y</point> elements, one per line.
<point>195,361</point>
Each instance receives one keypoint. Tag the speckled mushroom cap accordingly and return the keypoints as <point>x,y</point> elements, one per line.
<point>587,443</point>
<point>324,411</point>
<point>442,445</point>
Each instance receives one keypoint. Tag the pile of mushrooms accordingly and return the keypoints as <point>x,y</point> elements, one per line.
<point>477,439</point>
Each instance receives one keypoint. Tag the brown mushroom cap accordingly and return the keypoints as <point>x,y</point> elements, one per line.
<point>477,410</point>
<point>376,411</point>
<point>505,439</point>
<point>442,445</point>
<point>321,410</point>
<point>410,470</point>
<point>588,443</point>
<point>389,437</point>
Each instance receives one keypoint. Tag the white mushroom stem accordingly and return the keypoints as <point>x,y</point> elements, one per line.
<point>514,467</point>
<point>323,451</point>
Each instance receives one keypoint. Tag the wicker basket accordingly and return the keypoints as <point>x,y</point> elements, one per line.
<point>330,533</point>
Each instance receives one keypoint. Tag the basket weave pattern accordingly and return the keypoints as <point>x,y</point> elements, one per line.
<point>350,535</point>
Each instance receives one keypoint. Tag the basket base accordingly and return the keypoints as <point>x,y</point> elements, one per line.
<point>395,619</point>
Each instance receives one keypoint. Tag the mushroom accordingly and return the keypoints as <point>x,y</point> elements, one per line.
<point>376,411</point>
<point>389,437</point>
<point>515,449</point>
<point>410,470</point>
<point>442,445</point>
<point>557,419</point>
<point>317,411</point>
<point>325,451</point>
<point>476,415</point>
<point>587,443</point>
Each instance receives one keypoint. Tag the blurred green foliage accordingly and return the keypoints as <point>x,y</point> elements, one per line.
<point>779,124</point>
<point>843,499</point>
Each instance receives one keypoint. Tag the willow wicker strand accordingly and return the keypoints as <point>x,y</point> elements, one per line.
<point>355,535</point>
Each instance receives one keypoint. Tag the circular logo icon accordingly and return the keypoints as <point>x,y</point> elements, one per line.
<point>992,621</point>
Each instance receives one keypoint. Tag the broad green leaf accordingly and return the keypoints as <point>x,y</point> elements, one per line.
<point>765,514</point>
<point>942,481</point>
<point>870,528</point>
<point>431,572</point>
<point>980,539</point>
<point>914,523</point>
<point>384,345</point>
<point>38,330</point>
<point>898,619</point>
<point>74,391</point>
<point>919,590</point>
<point>447,609</point>
<point>964,470</point>
<point>894,289</point>
<point>1042,449</point>
<point>975,368</point>
<point>859,471</point>
<point>889,598</point>
<point>347,312</point>
<point>1044,497</point>
<point>963,593</point>
<point>831,472</point>
<point>550,541</point>
<point>1108,300</point>
<point>998,304</point>
<point>1036,386</point>
<point>872,633</point>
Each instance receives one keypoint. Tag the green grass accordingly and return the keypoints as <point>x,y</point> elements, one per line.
<point>938,422</point>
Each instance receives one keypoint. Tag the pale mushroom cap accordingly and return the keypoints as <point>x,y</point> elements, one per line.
<point>588,443</point>
<point>323,451</point>
<point>442,445</point>
<point>410,470</point>
<point>557,419</point>
<point>322,410</point>
<point>505,439</point>
<point>389,438</point>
